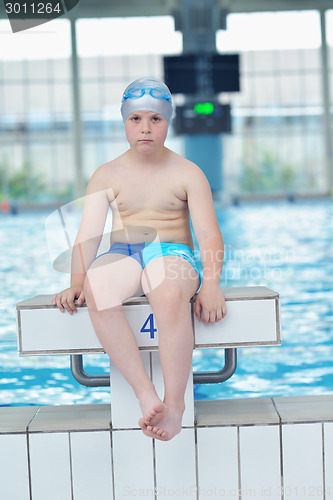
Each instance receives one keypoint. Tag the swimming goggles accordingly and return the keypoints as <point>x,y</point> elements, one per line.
<point>137,92</point>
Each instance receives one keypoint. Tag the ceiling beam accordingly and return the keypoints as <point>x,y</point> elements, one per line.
<point>274,5</point>
<point>131,8</point>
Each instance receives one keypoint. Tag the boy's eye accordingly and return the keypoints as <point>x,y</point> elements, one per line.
<point>156,118</point>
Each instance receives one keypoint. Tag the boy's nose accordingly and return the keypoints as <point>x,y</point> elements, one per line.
<point>145,126</point>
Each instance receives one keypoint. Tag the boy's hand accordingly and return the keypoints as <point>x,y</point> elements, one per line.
<point>65,299</point>
<point>210,304</point>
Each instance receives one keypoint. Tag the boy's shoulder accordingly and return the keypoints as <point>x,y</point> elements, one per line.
<point>191,172</point>
<point>187,166</point>
<point>192,178</point>
<point>104,179</point>
<point>106,172</point>
<point>111,166</point>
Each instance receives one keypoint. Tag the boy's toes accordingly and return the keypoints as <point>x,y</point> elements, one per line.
<point>153,432</point>
<point>156,414</point>
<point>147,418</point>
<point>157,432</point>
<point>163,434</point>
<point>142,424</point>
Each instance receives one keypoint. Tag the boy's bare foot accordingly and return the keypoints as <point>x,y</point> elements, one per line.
<point>153,409</point>
<point>168,426</point>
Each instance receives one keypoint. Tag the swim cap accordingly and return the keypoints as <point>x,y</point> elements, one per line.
<point>147,102</point>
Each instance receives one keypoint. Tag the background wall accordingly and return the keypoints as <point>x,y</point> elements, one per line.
<point>278,140</point>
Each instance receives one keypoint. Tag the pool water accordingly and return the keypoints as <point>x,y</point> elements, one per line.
<point>284,246</point>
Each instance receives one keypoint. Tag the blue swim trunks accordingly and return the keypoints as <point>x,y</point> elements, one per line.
<point>146,252</point>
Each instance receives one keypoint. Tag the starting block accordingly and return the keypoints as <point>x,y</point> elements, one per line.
<point>253,319</point>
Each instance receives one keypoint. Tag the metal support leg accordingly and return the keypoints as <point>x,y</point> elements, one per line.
<point>230,364</point>
<point>81,376</point>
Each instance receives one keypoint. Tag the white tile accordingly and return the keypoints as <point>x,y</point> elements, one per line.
<point>125,408</point>
<point>14,475</point>
<point>304,408</point>
<point>328,445</point>
<point>249,322</point>
<point>175,466</point>
<point>157,377</point>
<point>217,462</point>
<point>302,461</point>
<point>91,465</point>
<point>133,464</point>
<point>50,466</point>
<point>260,468</point>
<point>15,419</point>
<point>65,418</point>
<point>255,411</point>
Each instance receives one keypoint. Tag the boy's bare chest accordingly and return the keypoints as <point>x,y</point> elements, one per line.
<point>150,194</point>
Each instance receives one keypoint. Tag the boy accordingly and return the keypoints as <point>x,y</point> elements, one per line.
<point>151,191</point>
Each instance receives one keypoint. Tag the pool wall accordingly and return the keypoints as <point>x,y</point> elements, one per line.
<point>261,448</point>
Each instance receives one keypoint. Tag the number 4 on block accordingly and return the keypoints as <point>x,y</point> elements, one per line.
<point>148,326</point>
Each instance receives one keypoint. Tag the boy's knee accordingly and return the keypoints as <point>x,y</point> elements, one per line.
<point>168,298</point>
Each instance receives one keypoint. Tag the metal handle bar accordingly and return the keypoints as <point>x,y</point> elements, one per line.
<point>82,376</point>
<point>230,364</point>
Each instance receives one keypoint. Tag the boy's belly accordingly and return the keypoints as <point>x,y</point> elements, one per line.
<point>139,231</point>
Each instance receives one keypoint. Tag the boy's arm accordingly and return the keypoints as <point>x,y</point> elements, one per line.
<point>95,210</point>
<point>210,303</point>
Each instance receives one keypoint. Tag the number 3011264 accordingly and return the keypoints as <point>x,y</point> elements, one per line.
<point>33,8</point>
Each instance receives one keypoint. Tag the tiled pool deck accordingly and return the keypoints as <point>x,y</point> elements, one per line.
<point>260,448</point>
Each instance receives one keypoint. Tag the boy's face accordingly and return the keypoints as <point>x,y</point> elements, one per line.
<point>146,131</point>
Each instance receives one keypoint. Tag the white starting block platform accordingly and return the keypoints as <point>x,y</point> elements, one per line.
<point>253,319</point>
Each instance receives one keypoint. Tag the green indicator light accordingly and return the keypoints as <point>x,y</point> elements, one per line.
<point>204,108</point>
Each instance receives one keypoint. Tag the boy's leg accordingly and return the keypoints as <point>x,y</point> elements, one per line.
<point>170,303</point>
<point>111,279</point>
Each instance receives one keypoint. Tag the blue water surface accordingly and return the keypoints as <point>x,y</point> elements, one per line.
<point>281,245</point>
